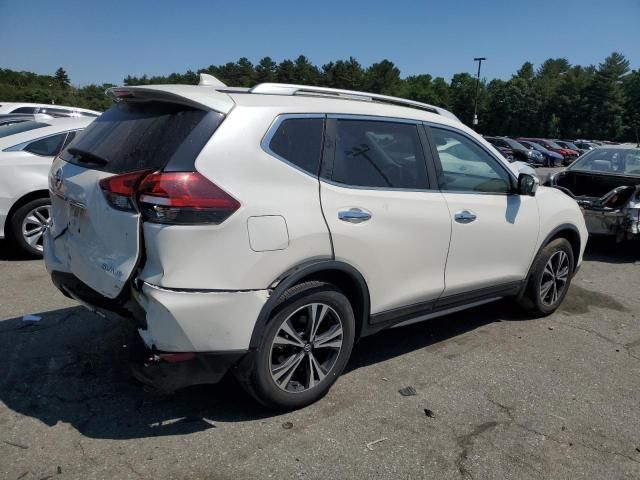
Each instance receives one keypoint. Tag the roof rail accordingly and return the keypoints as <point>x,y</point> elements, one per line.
<point>291,89</point>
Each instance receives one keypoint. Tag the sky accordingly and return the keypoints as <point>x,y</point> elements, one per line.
<point>100,42</point>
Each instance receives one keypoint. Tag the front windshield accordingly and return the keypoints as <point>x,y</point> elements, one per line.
<point>620,161</point>
<point>571,145</point>
<point>552,144</point>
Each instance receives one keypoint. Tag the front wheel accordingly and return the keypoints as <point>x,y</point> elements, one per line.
<point>306,346</point>
<point>550,278</point>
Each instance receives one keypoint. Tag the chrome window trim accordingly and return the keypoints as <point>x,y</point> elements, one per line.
<point>374,118</point>
<point>273,128</point>
<point>482,147</point>
<point>21,146</point>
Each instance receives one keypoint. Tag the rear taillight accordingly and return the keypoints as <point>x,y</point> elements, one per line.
<point>185,198</point>
<point>120,190</point>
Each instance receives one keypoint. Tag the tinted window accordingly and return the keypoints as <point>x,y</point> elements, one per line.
<point>13,128</point>
<point>48,147</point>
<point>610,160</point>
<point>69,139</point>
<point>299,141</point>
<point>466,166</point>
<point>25,110</point>
<point>56,112</point>
<point>147,135</point>
<point>378,154</point>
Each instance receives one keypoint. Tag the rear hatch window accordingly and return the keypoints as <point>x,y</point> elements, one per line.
<point>144,135</point>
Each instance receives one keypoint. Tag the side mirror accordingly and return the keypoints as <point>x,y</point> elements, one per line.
<point>527,184</point>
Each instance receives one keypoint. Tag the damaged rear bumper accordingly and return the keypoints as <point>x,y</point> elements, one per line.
<point>168,372</point>
<point>624,224</point>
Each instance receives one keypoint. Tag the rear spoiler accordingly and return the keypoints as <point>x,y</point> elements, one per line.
<point>198,96</point>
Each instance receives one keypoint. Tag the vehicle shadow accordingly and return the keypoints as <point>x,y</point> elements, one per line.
<point>9,252</point>
<point>72,367</point>
<point>605,249</point>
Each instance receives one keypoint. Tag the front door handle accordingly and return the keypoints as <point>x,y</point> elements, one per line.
<point>354,215</point>
<point>464,216</point>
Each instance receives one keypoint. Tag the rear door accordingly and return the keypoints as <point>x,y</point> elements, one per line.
<point>98,238</point>
<point>384,218</point>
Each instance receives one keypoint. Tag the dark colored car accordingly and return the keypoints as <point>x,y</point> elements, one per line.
<point>551,159</point>
<point>520,152</point>
<point>568,155</point>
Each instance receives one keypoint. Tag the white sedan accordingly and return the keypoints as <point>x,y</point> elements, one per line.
<point>27,150</point>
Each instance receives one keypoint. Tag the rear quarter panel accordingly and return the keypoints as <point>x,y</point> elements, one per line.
<point>220,257</point>
<point>21,173</point>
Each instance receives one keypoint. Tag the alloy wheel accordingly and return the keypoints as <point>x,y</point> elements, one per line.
<point>554,278</point>
<point>34,225</point>
<point>306,347</point>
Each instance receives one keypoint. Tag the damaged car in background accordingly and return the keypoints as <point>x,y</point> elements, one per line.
<point>606,184</point>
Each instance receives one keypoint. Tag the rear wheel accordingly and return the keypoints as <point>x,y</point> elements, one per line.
<point>305,348</point>
<point>28,224</point>
<point>550,278</point>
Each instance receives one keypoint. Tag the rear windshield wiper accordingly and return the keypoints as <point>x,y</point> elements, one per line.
<point>84,156</point>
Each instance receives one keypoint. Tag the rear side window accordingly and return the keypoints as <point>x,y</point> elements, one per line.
<point>25,110</point>
<point>47,147</point>
<point>379,154</point>
<point>144,135</point>
<point>299,141</point>
<point>13,128</point>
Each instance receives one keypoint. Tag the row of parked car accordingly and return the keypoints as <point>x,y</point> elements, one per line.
<point>541,151</point>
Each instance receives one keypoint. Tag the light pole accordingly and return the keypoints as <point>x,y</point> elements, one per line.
<point>475,107</point>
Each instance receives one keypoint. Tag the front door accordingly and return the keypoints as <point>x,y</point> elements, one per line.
<point>494,231</point>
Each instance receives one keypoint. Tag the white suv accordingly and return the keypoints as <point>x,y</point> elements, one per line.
<point>264,231</point>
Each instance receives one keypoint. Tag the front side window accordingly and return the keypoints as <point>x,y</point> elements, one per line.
<point>466,167</point>
<point>380,154</point>
<point>47,147</point>
<point>299,141</point>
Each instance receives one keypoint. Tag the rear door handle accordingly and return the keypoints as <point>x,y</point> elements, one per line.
<point>464,216</point>
<point>354,215</point>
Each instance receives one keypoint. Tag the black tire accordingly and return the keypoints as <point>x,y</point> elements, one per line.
<point>15,226</point>
<point>536,299</point>
<point>259,380</point>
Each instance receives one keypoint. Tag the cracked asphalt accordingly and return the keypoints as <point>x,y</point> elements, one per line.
<point>512,398</point>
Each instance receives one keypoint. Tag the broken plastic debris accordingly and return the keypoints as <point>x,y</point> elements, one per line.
<point>371,444</point>
<point>31,318</point>
<point>407,391</point>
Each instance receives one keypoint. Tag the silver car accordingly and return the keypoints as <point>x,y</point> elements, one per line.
<point>606,184</point>
<point>27,149</point>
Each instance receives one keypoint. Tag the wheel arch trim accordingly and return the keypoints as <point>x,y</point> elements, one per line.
<point>303,271</point>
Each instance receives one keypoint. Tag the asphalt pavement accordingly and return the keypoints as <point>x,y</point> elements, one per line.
<point>497,395</point>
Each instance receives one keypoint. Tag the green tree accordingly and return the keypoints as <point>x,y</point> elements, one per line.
<point>383,77</point>
<point>345,74</point>
<point>62,79</point>
<point>266,70</point>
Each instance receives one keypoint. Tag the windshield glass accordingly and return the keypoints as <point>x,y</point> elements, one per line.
<point>514,144</point>
<point>14,128</point>
<point>552,144</point>
<point>571,145</point>
<point>620,161</point>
